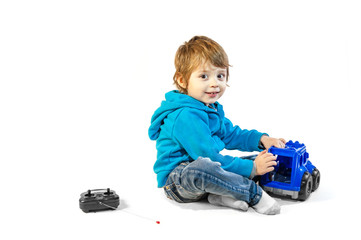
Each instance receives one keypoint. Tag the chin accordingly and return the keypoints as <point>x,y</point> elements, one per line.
<point>211,102</point>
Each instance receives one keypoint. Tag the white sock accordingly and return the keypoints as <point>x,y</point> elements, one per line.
<point>227,202</point>
<point>267,205</point>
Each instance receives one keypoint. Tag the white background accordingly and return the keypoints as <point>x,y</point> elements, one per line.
<point>80,80</point>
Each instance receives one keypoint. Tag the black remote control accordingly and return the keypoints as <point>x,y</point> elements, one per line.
<point>98,200</point>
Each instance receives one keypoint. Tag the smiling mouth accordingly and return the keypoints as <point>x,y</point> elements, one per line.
<point>212,94</point>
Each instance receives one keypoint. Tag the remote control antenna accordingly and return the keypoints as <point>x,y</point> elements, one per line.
<point>134,214</point>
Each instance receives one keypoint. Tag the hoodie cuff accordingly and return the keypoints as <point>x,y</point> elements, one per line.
<point>260,144</point>
<point>254,169</point>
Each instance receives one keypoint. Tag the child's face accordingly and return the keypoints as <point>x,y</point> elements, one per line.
<point>207,83</point>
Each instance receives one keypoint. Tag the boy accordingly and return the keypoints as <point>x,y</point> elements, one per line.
<point>191,130</point>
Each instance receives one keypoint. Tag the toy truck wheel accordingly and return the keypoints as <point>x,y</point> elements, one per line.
<point>306,186</point>
<point>316,177</point>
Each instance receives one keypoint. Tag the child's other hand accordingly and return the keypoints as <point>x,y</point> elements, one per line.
<point>265,162</point>
<point>269,142</point>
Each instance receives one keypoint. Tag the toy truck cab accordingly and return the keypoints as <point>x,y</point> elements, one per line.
<point>294,174</point>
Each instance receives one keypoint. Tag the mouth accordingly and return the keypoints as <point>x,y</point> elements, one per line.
<point>212,94</point>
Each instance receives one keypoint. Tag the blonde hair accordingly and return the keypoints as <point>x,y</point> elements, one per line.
<point>192,54</point>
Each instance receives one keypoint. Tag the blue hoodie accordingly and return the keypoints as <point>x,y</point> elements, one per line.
<point>186,129</point>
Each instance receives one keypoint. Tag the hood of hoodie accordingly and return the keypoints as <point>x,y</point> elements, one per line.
<point>174,100</point>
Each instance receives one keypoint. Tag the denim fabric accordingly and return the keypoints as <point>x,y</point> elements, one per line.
<point>192,181</point>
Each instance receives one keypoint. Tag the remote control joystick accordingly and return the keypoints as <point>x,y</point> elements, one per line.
<point>98,200</point>
<point>88,194</point>
<point>108,192</point>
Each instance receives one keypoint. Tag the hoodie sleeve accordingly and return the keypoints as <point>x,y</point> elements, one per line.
<point>191,131</point>
<point>241,139</point>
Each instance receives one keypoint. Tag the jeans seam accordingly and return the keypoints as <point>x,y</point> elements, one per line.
<point>216,180</point>
<point>169,191</point>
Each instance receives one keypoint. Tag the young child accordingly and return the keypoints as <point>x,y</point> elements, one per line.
<point>191,129</point>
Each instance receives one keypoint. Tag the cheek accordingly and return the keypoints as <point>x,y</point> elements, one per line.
<point>223,86</point>
<point>194,90</point>
<point>198,87</point>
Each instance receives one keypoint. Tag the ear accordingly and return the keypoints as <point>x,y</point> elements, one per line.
<point>180,81</point>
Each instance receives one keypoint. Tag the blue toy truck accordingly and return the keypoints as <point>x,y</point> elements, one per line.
<point>294,174</point>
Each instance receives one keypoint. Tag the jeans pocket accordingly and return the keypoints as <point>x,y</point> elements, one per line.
<point>172,193</point>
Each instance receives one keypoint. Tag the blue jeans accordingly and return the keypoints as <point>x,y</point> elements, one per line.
<point>193,181</point>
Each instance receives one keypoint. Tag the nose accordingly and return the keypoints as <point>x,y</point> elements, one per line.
<point>214,82</point>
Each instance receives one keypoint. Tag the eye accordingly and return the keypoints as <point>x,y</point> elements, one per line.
<point>203,76</point>
<point>221,76</point>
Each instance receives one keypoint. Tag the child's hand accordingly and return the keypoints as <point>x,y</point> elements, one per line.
<point>265,162</point>
<point>269,142</point>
